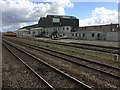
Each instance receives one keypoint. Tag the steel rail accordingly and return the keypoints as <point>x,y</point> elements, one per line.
<point>83,85</point>
<point>51,87</point>
<point>108,47</point>
<point>98,70</point>
<point>84,46</point>
<point>83,59</point>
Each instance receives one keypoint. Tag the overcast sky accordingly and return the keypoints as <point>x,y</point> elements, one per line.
<point>19,13</point>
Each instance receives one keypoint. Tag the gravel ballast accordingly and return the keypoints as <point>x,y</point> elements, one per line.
<point>16,75</point>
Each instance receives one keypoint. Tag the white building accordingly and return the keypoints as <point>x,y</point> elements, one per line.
<point>33,32</point>
<point>36,31</point>
<point>88,35</point>
<point>108,32</point>
<point>113,36</point>
<point>61,31</point>
<point>23,33</point>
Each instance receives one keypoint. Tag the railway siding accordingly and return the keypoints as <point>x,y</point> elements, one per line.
<point>55,83</point>
<point>60,54</point>
<point>16,75</point>
<point>84,53</point>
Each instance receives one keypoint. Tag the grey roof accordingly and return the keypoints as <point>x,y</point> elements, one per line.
<point>59,16</point>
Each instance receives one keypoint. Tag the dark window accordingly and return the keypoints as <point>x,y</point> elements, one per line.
<point>29,32</point>
<point>83,34</point>
<point>93,34</point>
<point>58,28</point>
<point>67,28</point>
<point>76,34</point>
<point>98,35</point>
<point>63,28</point>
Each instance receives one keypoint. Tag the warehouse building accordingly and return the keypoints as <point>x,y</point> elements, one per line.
<point>58,20</point>
<point>68,26</point>
<point>22,33</point>
<point>108,32</point>
<point>37,32</point>
<point>98,32</point>
<point>61,31</point>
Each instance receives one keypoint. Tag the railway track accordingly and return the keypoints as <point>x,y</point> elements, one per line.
<point>105,49</point>
<point>42,84</point>
<point>92,65</point>
<point>99,48</point>
<point>67,55</point>
<point>62,79</point>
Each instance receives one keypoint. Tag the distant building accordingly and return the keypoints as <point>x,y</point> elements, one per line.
<point>103,28</point>
<point>22,33</point>
<point>68,26</point>
<point>61,31</point>
<point>36,32</point>
<point>58,20</point>
<point>108,32</point>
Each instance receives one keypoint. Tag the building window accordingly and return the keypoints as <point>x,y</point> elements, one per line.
<point>98,35</point>
<point>76,34</point>
<point>83,34</point>
<point>63,28</point>
<point>67,28</point>
<point>58,28</point>
<point>72,34</point>
<point>29,32</point>
<point>93,35</point>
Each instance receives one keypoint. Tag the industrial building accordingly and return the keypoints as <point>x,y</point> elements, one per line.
<point>37,32</point>
<point>58,20</point>
<point>22,33</point>
<point>68,26</point>
<point>61,31</point>
<point>99,32</point>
